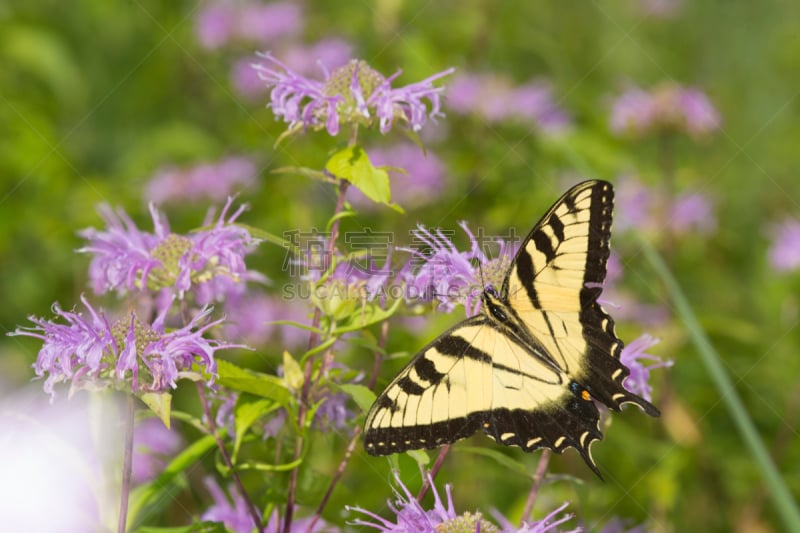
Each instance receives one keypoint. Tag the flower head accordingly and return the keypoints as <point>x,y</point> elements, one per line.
<point>692,212</point>
<point>353,93</point>
<point>633,356</point>
<point>495,99</point>
<point>667,107</point>
<point>266,23</point>
<point>410,516</point>
<point>443,273</point>
<point>221,22</point>
<point>91,351</point>
<point>209,263</point>
<point>231,511</point>
<point>250,317</point>
<point>784,254</point>
<point>647,209</point>
<point>421,183</point>
<point>211,181</point>
<point>216,25</point>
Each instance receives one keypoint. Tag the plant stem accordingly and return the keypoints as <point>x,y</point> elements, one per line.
<point>313,340</point>
<point>127,463</point>
<point>538,477</point>
<point>435,470</point>
<point>356,432</point>
<point>781,496</point>
<point>251,507</point>
<point>336,477</point>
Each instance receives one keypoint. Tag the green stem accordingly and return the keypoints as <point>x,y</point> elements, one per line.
<point>784,502</point>
<point>127,463</point>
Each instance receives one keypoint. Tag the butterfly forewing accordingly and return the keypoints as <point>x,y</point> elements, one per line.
<point>553,286</point>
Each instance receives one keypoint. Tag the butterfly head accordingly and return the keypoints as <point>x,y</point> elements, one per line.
<point>493,304</point>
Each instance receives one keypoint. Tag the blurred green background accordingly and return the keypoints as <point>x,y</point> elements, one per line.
<point>95,96</point>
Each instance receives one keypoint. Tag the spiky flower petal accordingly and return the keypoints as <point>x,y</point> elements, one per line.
<point>667,107</point>
<point>633,356</point>
<point>90,351</point>
<point>411,517</point>
<point>351,94</point>
<point>209,263</point>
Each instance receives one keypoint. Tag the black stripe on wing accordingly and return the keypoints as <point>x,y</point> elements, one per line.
<point>399,438</point>
<point>603,374</point>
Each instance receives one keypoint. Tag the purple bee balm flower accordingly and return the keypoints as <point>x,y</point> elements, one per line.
<point>249,318</point>
<point>354,93</point>
<point>698,113</point>
<point>449,276</point>
<point>784,254</point>
<point>213,181</point>
<point>633,356</point>
<point>421,183</point>
<point>90,351</point>
<point>232,512</point>
<point>216,25</point>
<point>548,523</point>
<point>645,209</point>
<point>444,274</point>
<point>692,212</point>
<point>209,263</point>
<point>667,107</point>
<point>266,23</point>
<point>306,59</point>
<point>245,80</point>
<point>411,517</point>
<point>333,413</point>
<point>494,99</point>
<point>153,444</point>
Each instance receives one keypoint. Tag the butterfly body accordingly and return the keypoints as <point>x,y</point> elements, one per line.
<point>528,369</point>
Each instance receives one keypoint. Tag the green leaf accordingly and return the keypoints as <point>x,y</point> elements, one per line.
<point>497,456</point>
<point>319,348</point>
<point>364,316</point>
<point>264,385</point>
<point>363,397</point>
<point>248,409</point>
<point>419,456</point>
<point>306,172</point>
<point>270,467</point>
<point>266,236</point>
<point>160,403</point>
<point>353,165</point>
<point>292,373</point>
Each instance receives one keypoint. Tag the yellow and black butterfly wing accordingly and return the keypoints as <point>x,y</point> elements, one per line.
<point>439,397</point>
<point>477,377</point>
<point>553,286</point>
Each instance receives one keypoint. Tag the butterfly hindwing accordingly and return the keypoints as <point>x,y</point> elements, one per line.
<point>477,377</point>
